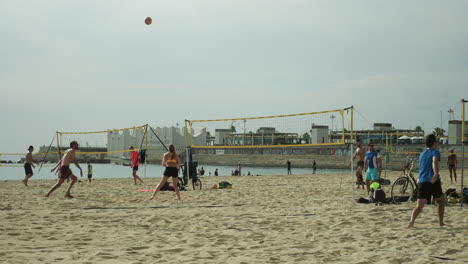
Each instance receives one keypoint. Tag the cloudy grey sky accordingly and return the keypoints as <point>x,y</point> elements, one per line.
<point>93,65</point>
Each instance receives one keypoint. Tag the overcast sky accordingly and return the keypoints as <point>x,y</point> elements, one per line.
<point>94,65</point>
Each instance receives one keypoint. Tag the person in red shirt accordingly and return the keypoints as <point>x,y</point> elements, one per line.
<point>134,164</point>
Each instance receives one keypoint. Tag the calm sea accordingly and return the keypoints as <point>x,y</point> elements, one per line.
<point>152,170</point>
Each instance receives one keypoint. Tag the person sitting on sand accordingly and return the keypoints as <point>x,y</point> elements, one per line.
<point>172,163</point>
<point>68,157</point>
<point>28,165</point>
<point>429,183</point>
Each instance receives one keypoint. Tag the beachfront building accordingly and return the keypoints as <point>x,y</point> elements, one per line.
<point>53,156</point>
<point>263,136</point>
<point>455,132</point>
<point>319,134</point>
<point>121,140</point>
<point>381,134</point>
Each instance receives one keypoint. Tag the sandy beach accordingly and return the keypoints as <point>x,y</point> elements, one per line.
<point>262,219</point>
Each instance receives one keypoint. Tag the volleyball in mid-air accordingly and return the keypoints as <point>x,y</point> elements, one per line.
<point>148,21</point>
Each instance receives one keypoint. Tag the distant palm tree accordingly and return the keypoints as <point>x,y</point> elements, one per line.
<point>439,132</point>
<point>418,129</point>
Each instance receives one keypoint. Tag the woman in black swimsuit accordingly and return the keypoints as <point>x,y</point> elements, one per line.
<point>172,163</point>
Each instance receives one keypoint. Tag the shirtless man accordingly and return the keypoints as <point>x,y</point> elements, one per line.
<point>65,172</point>
<point>28,165</point>
<point>452,163</point>
<point>360,153</point>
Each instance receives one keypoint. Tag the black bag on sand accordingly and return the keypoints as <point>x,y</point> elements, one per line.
<point>449,191</point>
<point>379,196</point>
<point>224,184</point>
<point>362,200</point>
<point>383,181</point>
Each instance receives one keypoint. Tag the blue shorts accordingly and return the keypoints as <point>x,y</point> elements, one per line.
<point>372,174</point>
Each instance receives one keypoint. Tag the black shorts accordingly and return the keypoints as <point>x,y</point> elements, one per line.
<point>135,168</point>
<point>28,169</point>
<point>360,179</point>
<point>171,172</point>
<point>90,176</point>
<point>427,189</point>
<point>451,166</point>
<point>360,164</point>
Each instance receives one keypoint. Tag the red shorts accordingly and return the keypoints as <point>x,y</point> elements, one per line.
<point>65,172</point>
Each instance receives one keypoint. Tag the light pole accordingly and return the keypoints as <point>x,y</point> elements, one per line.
<point>451,114</point>
<point>332,117</point>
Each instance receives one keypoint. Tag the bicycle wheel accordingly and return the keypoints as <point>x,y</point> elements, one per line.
<point>197,184</point>
<point>403,190</point>
<point>180,183</point>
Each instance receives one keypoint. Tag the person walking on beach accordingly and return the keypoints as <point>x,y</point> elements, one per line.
<point>172,163</point>
<point>314,167</point>
<point>371,166</point>
<point>64,166</point>
<point>429,183</point>
<point>90,171</point>
<point>452,163</point>
<point>135,162</point>
<point>28,165</point>
<point>360,154</point>
<point>216,172</point>
<point>288,164</point>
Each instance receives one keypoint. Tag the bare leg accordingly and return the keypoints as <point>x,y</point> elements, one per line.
<point>455,173</point>
<point>441,210</point>
<point>368,183</point>
<point>74,179</point>
<point>419,207</point>
<point>358,179</point>
<point>450,170</point>
<point>26,178</point>
<point>160,185</point>
<point>58,184</point>
<point>135,177</point>
<point>175,180</point>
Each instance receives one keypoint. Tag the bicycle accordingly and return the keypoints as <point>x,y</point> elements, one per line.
<point>404,188</point>
<point>183,181</point>
<point>195,184</point>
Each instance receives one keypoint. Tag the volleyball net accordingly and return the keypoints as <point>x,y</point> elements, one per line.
<point>325,128</point>
<point>105,145</point>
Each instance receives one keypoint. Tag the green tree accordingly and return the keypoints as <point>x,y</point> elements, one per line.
<point>418,129</point>
<point>439,132</point>
<point>306,136</point>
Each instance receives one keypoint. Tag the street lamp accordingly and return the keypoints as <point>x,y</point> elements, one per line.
<point>332,117</point>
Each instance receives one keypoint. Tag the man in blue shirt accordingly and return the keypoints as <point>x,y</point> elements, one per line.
<point>371,166</point>
<point>429,180</point>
